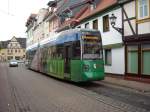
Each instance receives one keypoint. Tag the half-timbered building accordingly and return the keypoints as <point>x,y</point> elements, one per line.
<point>136,36</point>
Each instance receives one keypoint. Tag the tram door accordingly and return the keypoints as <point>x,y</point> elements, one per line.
<point>67,58</point>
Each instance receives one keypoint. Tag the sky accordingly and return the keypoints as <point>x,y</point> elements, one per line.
<point>14,14</point>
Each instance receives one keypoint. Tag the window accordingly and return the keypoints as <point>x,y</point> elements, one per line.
<point>59,51</point>
<point>79,27</point>
<point>10,57</point>
<point>132,59</point>
<point>106,23</point>
<point>76,50</point>
<point>145,59</point>
<point>108,57</point>
<point>17,57</point>
<point>143,8</point>
<point>15,50</point>
<point>87,25</point>
<point>95,24</point>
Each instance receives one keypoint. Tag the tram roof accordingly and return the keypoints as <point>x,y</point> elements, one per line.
<point>62,37</point>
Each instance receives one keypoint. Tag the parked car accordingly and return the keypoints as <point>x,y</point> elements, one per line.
<point>13,63</point>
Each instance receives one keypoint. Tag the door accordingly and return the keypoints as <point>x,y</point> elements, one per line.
<point>67,60</point>
<point>132,61</point>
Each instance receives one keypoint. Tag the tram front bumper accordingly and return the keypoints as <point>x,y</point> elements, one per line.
<point>93,76</point>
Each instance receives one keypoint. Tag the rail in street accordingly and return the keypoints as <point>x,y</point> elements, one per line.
<point>29,91</point>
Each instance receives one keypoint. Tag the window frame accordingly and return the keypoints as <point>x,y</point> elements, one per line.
<point>145,48</point>
<point>104,23</point>
<point>106,61</point>
<point>138,10</point>
<point>87,24</point>
<point>95,22</point>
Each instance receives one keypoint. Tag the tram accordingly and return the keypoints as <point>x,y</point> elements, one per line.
<point>74,55</point>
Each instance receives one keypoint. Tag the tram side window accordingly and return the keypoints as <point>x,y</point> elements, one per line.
<point>50,52</point>
<point>59,51</point>
<point>53,52</point>
<point>45,53</point>
<point>76,50</point>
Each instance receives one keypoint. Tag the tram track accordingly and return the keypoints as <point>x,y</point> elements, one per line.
<point>17,104</point>
<point>125,97</point>
<point>26,94</point>
<point>121,94</point>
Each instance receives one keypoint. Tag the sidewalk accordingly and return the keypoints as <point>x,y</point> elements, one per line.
<point>143,87</point>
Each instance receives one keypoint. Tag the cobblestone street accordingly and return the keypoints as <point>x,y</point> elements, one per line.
<point>23,90</point>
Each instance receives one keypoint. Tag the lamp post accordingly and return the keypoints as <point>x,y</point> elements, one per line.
<point>113,19</point>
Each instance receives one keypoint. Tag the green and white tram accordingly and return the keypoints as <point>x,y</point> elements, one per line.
<point>74,55</point>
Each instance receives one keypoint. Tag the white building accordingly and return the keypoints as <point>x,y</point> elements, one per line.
<point>98,18</point>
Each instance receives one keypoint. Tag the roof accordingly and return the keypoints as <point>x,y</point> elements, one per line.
<point>102,5</point>
<point>30,19</point>
<point>63,36</point>
<point>3,44</point>
<point>75,8</point>
<point>86,12</point>
<point>65,5</point>
<point>22,42</point>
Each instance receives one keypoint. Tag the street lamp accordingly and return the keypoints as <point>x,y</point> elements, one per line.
<point>113,19</point>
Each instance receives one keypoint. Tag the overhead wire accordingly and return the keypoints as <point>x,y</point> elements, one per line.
<point>8,9</point>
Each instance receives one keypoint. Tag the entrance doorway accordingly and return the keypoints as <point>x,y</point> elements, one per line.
<point>67,60</point>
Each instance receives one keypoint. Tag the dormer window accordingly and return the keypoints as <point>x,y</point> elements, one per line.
<point>143,9</point>
<point>93,6</point>
<point>87,25</point>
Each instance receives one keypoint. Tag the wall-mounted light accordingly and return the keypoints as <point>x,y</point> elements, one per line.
<point>113,19</point>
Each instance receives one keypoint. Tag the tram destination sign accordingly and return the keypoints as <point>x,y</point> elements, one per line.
<point>90,37</point>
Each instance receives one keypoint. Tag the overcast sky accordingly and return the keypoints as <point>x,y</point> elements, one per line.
<point>14,14</point>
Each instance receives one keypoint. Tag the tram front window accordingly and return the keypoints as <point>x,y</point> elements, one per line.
<point>92,48</point>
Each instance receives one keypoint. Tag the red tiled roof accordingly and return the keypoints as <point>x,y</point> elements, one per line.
<point>103,4</point>
<point>75,19</point>
<point>86,12</point>
<point>30,18</point>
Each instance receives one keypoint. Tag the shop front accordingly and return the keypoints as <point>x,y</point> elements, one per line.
<point>137,59</point>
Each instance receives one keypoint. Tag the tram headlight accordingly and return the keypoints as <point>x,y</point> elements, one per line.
<point>86,67</point>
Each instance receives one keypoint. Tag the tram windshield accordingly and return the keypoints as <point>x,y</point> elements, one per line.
<point>92,48</point>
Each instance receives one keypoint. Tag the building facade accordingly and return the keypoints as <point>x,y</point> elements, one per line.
<point>13,49</point>
<point>98,18</point>
<point>126,46</point>
<point>136,34</point>
<point>47,22</point>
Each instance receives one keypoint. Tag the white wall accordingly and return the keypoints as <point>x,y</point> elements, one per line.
<point>118,62</point>
<point>112,36</point>
<point>41,14</point>
<point>130,11</point>
<point>144,28</point>
<point>46,29</point>
<point>30,37</point>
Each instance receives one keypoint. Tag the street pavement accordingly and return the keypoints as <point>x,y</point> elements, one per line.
<point>23,90</point>
<point>139,86</point>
